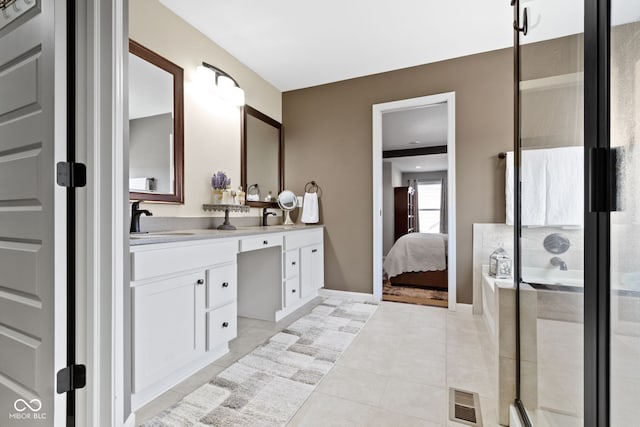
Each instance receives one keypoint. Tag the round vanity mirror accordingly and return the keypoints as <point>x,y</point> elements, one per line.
<point>287,201</point>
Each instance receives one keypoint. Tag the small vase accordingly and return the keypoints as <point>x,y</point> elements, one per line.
<point>227,197</point>
<point>217,196</point>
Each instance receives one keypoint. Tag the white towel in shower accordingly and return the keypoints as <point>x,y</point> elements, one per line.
<point>565,186</point>
<point>310,213</point>
<point>534,187</point>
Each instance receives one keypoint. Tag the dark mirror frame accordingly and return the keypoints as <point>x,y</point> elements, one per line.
<point>178,125</point>
<point>250,111</point>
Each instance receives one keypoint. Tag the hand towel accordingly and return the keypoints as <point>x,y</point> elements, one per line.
<point>534,187</point>
<point>310,208</point>
<point>565,184</point>
<point>139,184</point>
<point>509,188</point>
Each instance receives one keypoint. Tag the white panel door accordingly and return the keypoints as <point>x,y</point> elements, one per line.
<point>32,212</point>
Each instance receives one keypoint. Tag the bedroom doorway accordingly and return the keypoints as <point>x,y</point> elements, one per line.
<point>414,200</point>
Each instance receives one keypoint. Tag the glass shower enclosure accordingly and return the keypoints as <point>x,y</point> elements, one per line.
<point>577,211</point>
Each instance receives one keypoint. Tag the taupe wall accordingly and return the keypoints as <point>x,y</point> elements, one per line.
<point>328,139</point>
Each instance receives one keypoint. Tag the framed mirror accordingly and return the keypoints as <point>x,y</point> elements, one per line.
<point>262,167</point>
<point>156,127</point>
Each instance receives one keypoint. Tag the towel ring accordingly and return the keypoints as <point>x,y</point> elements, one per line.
<point>311,185</point>
<point>253,189</point>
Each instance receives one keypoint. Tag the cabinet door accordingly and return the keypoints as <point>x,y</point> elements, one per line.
<point>317,267</point>
<point>168,331</point>
<point>311,269</point>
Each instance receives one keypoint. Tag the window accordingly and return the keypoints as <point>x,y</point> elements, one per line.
<point>429,206</point>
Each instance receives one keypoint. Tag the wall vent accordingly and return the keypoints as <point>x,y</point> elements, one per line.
<point>464,407</point>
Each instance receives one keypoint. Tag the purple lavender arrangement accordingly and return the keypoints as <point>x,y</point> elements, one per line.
<point>220,181</point>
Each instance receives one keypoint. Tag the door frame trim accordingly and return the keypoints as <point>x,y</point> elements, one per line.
<point>103,210</point>
<point>405,104</point>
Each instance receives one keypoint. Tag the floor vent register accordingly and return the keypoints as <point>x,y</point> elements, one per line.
<point>464,407</point>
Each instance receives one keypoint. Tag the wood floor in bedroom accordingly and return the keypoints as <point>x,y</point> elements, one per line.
<point>414,295</point>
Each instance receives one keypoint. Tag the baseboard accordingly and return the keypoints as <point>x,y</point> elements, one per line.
<point>464,308</point>
<point>131,420</point>
<point>356,296</point>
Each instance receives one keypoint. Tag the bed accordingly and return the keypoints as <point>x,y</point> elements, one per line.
<point>418,259</point>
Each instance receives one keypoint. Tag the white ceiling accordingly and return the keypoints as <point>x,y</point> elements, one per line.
<point>430,163</point>
<point>295,44</point>
<point>425,125</point>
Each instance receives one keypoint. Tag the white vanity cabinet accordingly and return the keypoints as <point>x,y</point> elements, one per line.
<point>303,266</point>
<point>182,295</point>
<point>187,296</point>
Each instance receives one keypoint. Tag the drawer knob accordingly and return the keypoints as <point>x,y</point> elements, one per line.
<point>313,251</point>
<point>225,285</point>
<point>293,291</point>
<point>265,242</point>
<point>293,263</point>
<point>225,324</point>
<point>200,282</point>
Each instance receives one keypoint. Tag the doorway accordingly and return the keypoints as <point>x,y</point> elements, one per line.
<point>437,154</point>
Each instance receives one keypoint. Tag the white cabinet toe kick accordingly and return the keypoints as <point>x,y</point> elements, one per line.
<point>186,298</point>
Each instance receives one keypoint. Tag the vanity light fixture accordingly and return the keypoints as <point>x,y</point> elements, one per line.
<point>221,83</point>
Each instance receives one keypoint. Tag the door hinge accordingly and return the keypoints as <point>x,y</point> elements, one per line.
<point>71,174</point>
<point>71,378</point>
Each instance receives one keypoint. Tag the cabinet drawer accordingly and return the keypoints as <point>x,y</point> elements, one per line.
<point>291,264</point>
<point>299,239</point>
<point>260,242</point>
<point>222,285</point>
<point>222,325</point>
<point>158,262</point>
<point>291,291</point>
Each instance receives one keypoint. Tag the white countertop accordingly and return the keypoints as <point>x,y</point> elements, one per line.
<point>202,234</point>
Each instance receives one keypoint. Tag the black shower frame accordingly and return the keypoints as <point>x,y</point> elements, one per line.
<point>599,187</point>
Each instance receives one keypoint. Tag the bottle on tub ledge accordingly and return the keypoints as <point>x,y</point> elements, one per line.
<point>269,197</point>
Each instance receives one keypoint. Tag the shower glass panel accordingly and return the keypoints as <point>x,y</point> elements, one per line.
<point>625,221</point>
<point>552,212</point>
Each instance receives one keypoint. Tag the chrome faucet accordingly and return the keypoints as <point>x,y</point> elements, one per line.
<point>135,216</point>
<point>559,262</point>
<point>265,215</point>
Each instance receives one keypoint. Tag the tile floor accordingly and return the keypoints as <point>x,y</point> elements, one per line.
<point>395,373</point>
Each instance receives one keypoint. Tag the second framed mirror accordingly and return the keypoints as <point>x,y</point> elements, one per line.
<point>262,166</point>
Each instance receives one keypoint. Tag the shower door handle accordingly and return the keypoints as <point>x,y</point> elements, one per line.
<point>603,179</point>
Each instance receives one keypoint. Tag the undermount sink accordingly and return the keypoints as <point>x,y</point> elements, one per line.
<point>159,235</point>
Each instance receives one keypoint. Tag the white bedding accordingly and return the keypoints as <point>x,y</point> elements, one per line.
<point>417,252</point>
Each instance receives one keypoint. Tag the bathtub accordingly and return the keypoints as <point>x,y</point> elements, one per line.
<point>554,278</point>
